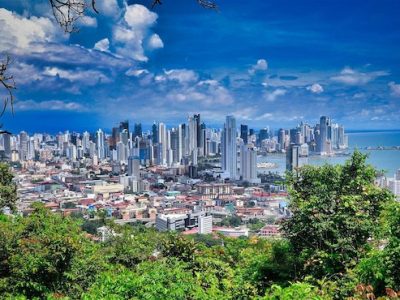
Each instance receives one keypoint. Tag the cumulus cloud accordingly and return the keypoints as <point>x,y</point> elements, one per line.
<point>18,33</point>
<point>84,77</point>
<point>134,31</point>
<point>155,42</point>
<point>394,89</point>
<point>261,65</point>
<point>136,73</point>
<point>204,92</point>
<point>350,76</point>
<point>102,45</point>
<point>272,96</point>
<point>315,88</point>
<point>108,7</point>
<point>181,75</point>
<point>87,21</point>
<point>55,105</point>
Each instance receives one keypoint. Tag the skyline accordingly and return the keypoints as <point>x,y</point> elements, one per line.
<point>268,64</point>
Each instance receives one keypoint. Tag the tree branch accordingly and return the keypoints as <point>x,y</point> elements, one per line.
<point>8,83</point>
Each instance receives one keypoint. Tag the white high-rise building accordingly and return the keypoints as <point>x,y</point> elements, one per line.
<point>248,164</point>
<point>134,167</point>
<point>162,140</point>
<point>86,142</point>
<point>229,148</point>
<point>192,134</point>
<point>205,224</point>
<point>100,144</point>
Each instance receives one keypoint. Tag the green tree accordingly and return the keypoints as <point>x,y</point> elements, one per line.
<point>8,189</point>
<point>161,279</point>
<point>381,268</point>
<point>335,211</point>
<point>45,253</point>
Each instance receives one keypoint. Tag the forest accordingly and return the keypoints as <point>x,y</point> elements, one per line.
<point>341,242</point>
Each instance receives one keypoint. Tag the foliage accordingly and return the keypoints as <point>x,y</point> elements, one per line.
<point>335,211</point>
<point>8,189</point>
<point>381,268</point>
<point>46,253</point>
<point>343,239</point>
<point>232,221</point>
<point>256,224</point>
<point>298,291</point>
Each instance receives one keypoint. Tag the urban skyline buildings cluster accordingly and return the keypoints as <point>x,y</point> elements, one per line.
<point>182,145</point>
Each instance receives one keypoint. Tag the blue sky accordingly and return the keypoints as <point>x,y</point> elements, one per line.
<point>273,63</point>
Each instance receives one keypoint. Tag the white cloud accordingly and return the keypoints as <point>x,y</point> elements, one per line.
<point>136,73</point>
<point>350,76</point>
<point>87,21</point>
<point>29,105</point>
<point>84,77</point>
<point>138,16</point>
<point>181,75</point>
<point>261,65</point>
<point>271,97</point>
<point>205,92</point>
<point>315,88</point>
<point>108,7</point>
<point>102,45</point>
<point>155,42</point>
<point>133,33</point>
<point>394,89</point>
<point>18,33</point>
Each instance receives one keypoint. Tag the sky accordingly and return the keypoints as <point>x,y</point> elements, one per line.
<point>269,63</point>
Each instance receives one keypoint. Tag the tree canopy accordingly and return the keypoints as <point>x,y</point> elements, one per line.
<point>342,240</point>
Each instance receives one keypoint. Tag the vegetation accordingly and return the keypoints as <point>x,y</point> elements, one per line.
<point>8,189</point>
<point>343,240</point>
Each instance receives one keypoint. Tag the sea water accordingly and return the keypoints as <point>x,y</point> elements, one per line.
<point>384,160</point>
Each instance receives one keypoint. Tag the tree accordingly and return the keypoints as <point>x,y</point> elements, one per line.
<point>45,253</point>
<point>67,12</point>
<point>381,267</point>
<point>335,211</point>
<point>8,189</point>
<point>7,81</point>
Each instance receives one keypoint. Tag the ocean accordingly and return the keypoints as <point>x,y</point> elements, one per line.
<point>385,160</point>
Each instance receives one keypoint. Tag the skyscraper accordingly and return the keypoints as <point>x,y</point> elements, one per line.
<point>124,125</point>
<point>228,147</point>
<point>134,166</point>
<point>137,130</point>
<point>244,133</point>
<point>154,133</point>
<point>248,164</point>
<point>163,141</point>
<point>325,134</point>
<point>23,145</point>
<point>100,144</point>
<point>292,157</point>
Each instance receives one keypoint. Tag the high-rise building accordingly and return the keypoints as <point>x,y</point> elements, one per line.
<point>86,142</point>
<point>292,157</point>
<point>23,145</point>
<point>205,224</point>
<point>244,133</point>
<point>124,125</point>
<point>248,164</point>
<point>263,135</point>
<point>100,144</point>
<point>229,148</point>
<point>163,141</point>
<point>193,128</point>
<point>282,138</point>
<point>134,166</point>
<point>154,133</point>
<point>325,134</point>
<point>137,130</point>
